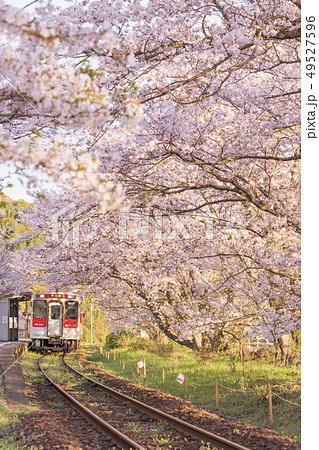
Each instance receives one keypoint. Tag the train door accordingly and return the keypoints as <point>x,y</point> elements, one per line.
<point>55,319</point>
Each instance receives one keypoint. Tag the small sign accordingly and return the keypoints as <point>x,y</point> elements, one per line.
<point>180,378</point>
<point>140,364</point>
<point>4,319</point>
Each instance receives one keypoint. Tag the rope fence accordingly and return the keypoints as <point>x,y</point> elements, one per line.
<point>285,400</point>
<point>200,385</point>
<point>141,368</point>
<point>244,391</point>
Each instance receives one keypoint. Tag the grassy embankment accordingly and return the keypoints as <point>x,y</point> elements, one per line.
<point>248,402</point>
<point>9,416</point>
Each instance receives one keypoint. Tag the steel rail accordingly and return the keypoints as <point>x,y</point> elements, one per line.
<point>190,429</point>
<point>119,438</point>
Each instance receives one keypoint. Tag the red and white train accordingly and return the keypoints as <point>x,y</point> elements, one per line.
<point>56,321</point>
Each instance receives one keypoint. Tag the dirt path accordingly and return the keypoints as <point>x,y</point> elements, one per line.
<point>11,374</point>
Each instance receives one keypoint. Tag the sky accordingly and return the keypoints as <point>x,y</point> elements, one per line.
<point>24,3</point>
<point>17,191</point>
<point>20,190</point>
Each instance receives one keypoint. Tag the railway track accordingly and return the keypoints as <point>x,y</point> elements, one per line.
<point>123,441</point>
<point>186,428</point>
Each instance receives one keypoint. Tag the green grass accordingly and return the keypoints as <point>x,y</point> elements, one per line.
<point>249,405</point>
<point>8,416</point>
<point>54,367</point>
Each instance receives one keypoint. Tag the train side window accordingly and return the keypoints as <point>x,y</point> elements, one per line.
<point>71,310</point>
<point>55,312</point>
<point>39,309</point>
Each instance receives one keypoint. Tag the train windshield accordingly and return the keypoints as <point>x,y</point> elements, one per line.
<point>71,310</point>
<point>39,309</point>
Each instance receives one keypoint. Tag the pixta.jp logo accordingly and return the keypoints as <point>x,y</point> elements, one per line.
<point>71,226</point>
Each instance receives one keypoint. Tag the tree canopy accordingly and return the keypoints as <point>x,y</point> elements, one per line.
<point>175,130</point>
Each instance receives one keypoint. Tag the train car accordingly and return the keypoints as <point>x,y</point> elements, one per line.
<point>56,321</point>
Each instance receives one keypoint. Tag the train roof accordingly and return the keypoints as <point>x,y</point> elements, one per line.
<point>57,294</point>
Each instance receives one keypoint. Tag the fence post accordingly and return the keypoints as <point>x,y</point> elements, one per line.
<point>216,393</point>
<point>108,355</point>
<point>163,376</point>
<point>123,364</point>
<point>144,367</point>
<point>271,416</point>
<point>119,360</point>
<point>242,358</point>
<point>185,386</point>
<point>114,355</point>
<point>137,369</point>
<point>101,351</point>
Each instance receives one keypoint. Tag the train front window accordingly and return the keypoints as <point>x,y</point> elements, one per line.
<point>55,312</point>
<point>71,310</point>
<point>39,309</point>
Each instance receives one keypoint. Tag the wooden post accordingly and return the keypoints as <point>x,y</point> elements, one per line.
<point>101,351</point>
<point>185,386</point>
<point>91,323</point>
<point>242,358</point>
<point>114,355</point>
<point>144,367</point>
<point>137,369</point>
<point>271,416</point>
<point>108,355</point>
<point>119,360</point>
<point>216,393</point>
<point>163,376</point>
<point>123,364</point>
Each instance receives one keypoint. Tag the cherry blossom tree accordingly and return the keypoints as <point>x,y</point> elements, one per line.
<point>55,102</point>
<point>212,165</point>
<point>191,287</point>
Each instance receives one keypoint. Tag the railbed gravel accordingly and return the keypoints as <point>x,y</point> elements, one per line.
<point>148,432</point>
<point>53,425</point>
